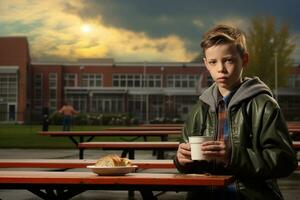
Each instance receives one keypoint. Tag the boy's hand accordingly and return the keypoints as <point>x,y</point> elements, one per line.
<point>215,149</point>
<point>184,153</point>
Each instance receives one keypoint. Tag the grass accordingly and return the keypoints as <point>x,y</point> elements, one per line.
<point>26,136</point>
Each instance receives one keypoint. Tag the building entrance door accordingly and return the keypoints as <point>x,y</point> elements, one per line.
<point>3,112</point>
<point>11,112</point>
<point>106,105</point>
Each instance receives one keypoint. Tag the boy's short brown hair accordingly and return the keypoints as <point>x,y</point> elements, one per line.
<point>223,34</point>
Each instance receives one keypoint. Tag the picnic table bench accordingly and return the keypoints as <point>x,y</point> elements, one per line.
<point>130,147</point>
<point>162,125</point>
<point>296,145</point>
<point>82,135</point>
<point>147,128</point>
<point>65,185</point>
<point>294,132</point>
<point>75,163</point>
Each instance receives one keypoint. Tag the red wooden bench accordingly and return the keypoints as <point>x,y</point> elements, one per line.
<point>147,128</point>
<point>296,145</point>
<point>82,135</point>
<point>129,146</point>
<point>75,163</point>
<point>162,125</point>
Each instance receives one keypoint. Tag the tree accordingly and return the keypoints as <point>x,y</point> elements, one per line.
<point>264,42</point>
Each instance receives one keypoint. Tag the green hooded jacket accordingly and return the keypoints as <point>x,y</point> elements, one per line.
<point>259,145</point>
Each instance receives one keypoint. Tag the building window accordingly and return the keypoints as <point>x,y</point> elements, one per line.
<point>127,80</point>
<point>182,81</point>
<point>8,88</point>
<point>107,104</point>
<point>123,81</point>
<point>115,81</point>
<point>79,102</point>
<point>38,86</point>
<point>91,80</point>
<point>136,80</point>
<point>70,80</point>
<point>153,80</point>
<point>294,81</point>
<point>53,91</point>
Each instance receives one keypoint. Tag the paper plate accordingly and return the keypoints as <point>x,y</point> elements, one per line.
<point>120,170</point>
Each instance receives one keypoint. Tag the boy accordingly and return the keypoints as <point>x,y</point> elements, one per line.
<point>251,140</point>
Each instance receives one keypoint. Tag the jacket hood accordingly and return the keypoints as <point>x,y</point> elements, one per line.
<point>249,88</point>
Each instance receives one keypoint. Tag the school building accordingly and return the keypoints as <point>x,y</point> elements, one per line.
<point>145,90</point>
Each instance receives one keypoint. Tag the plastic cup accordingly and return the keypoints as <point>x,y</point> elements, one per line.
<point>196,143</point>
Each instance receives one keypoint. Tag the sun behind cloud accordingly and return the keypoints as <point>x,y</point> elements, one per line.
<point>86,28</point>
<point>55,33</point>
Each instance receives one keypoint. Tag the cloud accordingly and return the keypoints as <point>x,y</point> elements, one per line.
<point>53,29</point>
<point>237,21</point>
<point>198,23</point>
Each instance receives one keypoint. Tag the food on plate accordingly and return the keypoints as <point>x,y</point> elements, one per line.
<point>113,160</point>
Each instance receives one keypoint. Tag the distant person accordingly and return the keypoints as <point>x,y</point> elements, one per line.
<point>45,117</point>
<point>67,111</point>
<point>251,139</point>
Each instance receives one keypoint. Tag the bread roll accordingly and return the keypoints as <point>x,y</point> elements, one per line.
<point>112,160</point>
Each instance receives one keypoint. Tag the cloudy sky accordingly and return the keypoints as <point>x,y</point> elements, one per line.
<point>132,30</point>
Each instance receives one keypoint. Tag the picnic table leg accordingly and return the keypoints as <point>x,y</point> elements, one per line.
<point>130,156</point>
<point>52,194</point>
<point>147,195</point>
<point>124,153</point>
<point>160,154</point>
<point>81,153</point>
<point>130,153</point>
<point>131,194</point>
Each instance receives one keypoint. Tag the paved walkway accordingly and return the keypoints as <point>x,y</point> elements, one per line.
<point>290,186</point>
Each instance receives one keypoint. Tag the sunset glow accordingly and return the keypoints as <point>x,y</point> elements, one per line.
<point>86,28</point>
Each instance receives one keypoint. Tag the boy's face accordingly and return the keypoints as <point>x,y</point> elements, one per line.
<point>225,65</point>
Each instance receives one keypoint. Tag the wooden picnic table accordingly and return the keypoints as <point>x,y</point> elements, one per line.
<point>64,185</point>
<point>130,147</point>
<point>75,163</point>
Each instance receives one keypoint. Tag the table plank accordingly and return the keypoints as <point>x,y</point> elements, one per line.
<point>147,128</point>
<point>130,145</point>
<point>77,163</point>
<point>62,178</point>
<point>112,133</point>
<point>162,125</point>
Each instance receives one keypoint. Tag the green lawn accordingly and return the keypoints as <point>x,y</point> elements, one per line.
<point>26,136</point>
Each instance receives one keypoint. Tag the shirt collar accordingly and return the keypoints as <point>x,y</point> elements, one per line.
<point>227,98</point>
